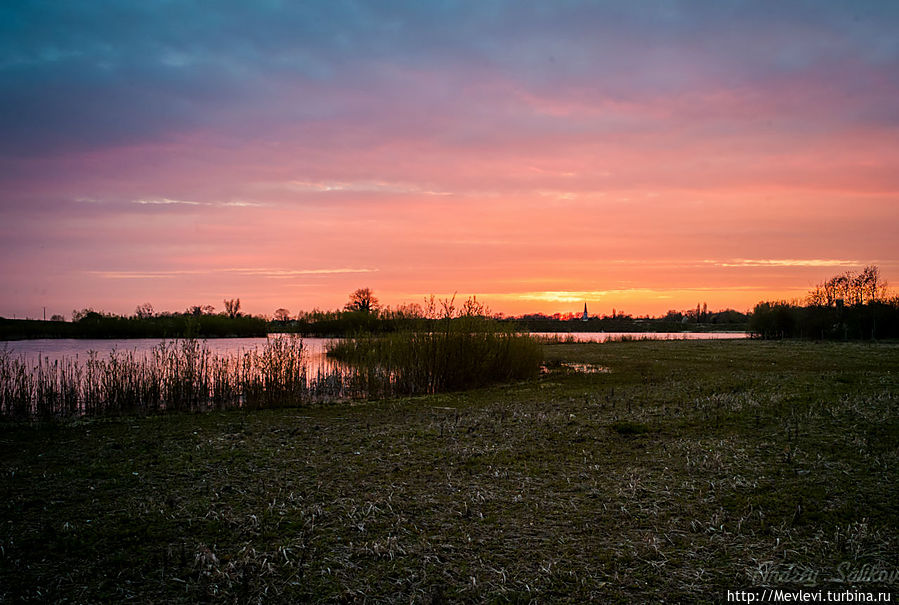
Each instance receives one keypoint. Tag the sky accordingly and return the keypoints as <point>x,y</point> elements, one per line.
<point>641,156</point>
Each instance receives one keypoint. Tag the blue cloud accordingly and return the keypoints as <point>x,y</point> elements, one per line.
<point>93,74</point>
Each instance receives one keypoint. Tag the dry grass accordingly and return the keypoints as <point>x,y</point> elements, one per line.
<point>452,358</point>
<point>178,375</point>
<point>689,468</point>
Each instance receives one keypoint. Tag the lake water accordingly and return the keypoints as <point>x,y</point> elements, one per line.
<point>60,348</point>
<point>109,376</point>
<point>605,336</point>
<point>57,349</point>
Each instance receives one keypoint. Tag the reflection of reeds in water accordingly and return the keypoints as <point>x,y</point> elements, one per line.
<point>176,376</point>
<point>646,337</point>
<point>556,339</point>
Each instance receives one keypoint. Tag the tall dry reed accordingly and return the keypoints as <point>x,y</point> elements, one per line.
<point>181,375</point>
<point>458,355</point>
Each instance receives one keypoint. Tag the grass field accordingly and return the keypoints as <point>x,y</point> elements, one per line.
<point>687,468</point>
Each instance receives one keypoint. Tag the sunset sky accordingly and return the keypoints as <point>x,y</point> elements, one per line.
<point>644,156</point>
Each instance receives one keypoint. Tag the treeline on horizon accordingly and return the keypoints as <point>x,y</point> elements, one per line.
<point>849,306</point>
<point>361,314</point>
<point>194,322</point>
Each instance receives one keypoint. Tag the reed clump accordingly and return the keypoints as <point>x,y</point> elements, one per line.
<point>556,339</point>
<point>182,375</point>
<point>457,352</point>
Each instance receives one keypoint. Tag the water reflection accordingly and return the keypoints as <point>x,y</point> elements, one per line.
<point>575,337</point>
<point>48,378</point>
<point>59,349</point>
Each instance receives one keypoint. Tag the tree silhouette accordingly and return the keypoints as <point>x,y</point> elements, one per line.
<point>851,288</point>
<point>362,300</point>
<point>232,307</point>
<point>144,311</point>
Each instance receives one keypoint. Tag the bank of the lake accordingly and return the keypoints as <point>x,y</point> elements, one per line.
<point>61,348</point>
<point>63,378</point>
<point>99,326</point>
<point>185,325</point>
<point>689,468</point>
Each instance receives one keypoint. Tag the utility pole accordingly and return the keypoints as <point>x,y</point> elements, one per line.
<point>45,313</point>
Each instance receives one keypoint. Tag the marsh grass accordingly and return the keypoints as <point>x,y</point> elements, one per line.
<point>181,375</point>
<point>642,337</point>
<point>567,339</point>
<point>689,469</point>
<point>556,339</point>
<point>460,355</point>
<point>185,376</point>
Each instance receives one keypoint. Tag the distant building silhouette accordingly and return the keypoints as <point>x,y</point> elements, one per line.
<point>584,316</point>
